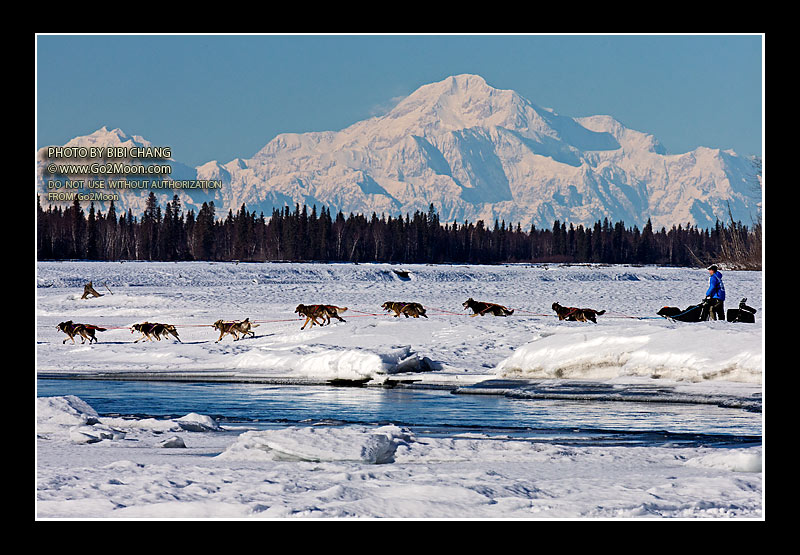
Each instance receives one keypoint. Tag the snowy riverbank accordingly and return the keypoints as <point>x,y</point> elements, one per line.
<point>448,346</point>
<point>101,467</point>
<point>190,467</point>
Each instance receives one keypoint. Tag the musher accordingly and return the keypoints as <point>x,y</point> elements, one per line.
<point>714,303</point>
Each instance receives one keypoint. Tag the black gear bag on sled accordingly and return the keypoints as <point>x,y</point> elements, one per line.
<point>691,314</point>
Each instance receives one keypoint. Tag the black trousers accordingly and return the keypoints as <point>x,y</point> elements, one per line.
<point>713,309</point>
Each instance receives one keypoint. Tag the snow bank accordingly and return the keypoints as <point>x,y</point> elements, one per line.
<point>68,410</point>
<point>337,364</point>
<point>691,352</point>
<point>735,460</point>
<point>446,347</point>
<point>71,418</point>
<point>375,472</point>
<point>352,443</point>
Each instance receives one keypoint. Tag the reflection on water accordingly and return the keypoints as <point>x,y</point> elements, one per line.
<point>425,411</point>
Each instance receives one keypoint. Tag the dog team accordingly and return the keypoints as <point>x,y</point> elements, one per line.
<point>319,314</point>
<point>712,307</point>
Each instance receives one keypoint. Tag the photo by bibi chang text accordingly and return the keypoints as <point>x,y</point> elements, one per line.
<point>77,172</point>
<point>109,152</point>
<point>108,160</point>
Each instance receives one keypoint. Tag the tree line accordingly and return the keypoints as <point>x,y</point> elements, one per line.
<point>309,234</point>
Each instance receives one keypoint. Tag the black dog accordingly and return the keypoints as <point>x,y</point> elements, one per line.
<point>691,314</point>
<point>479,308</point>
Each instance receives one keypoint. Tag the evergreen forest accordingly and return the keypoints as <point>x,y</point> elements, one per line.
<point>310,234</point>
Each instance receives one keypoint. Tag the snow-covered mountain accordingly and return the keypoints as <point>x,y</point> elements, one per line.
<point>475,152</point>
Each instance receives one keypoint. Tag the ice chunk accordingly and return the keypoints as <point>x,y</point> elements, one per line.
<point>317,444</point>
<point>194,422</point>
<point>172,442</point>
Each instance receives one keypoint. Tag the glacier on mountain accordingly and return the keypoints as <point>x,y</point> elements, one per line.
<point>474,152</point>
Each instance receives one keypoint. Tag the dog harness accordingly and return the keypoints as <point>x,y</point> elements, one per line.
<point>151,327</point>
<point>489,306</point>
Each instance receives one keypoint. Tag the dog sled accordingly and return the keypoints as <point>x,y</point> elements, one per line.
<point>742,314</point>
<point>694,313</point>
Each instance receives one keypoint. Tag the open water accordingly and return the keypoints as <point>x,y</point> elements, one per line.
<point>433,412</point>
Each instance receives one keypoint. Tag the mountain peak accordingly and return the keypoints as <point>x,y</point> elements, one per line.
<point>465,86</point>
<point>465,82</point>
<point>477,152</point>
<point>458,102</point>
<point>106,137</point>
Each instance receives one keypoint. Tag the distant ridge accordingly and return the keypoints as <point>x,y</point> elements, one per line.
<point>474,152</point>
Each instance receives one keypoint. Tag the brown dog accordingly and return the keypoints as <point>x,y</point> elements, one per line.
<point>321,311</point>
<point>479,308</point>
<point>415,310</point>
<point>85,331</point>
<point>234,328</point>
<point>577,314</point>
<point>149,330</point>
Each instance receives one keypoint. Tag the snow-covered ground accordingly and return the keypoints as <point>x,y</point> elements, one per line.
<point>92,466</point>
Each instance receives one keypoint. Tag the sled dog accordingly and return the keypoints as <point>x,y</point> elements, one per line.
<point>150,330</point>
<point>85,331</point>
<point>479,308</point>
<point>577,314</point>
<point>234,327</point>
<point>415,310</point>
<point>322,311</point>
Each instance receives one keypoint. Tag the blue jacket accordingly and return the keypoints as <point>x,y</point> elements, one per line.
<point>716,289</point>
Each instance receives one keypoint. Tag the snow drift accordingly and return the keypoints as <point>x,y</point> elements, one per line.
<point>677,354</point>
<point>333,364</point>
<point>71,418</point>
<point>372,472</point>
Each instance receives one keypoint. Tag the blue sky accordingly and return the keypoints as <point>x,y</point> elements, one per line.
<point>221,97</point>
